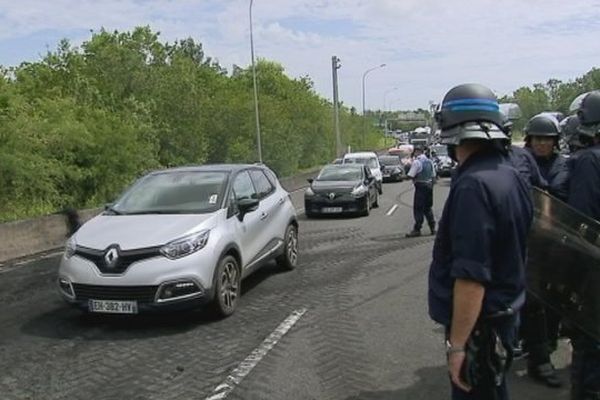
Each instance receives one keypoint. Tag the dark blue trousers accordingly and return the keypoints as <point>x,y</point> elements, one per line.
<point>422,205</point>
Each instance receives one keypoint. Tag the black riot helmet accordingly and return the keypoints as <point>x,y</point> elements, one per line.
<point>588,111</point>
<point>570,130</point>
<point>542,125</point>
<point>470,111</point>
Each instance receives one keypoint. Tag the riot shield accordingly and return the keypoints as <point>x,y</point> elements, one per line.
<point>563,268</point>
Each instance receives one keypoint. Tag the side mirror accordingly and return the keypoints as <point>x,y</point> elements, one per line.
<point>246,206</point>
<point>382,168</point>
<point>107,206</point>
<point>310,180</point>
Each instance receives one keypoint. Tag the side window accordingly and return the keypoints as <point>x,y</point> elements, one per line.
<point>262,183</point>
<point>243,187</point>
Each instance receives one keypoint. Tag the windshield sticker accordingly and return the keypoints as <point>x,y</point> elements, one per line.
<point>213,199</point>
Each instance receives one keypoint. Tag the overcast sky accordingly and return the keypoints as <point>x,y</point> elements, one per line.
<point>428,46</point>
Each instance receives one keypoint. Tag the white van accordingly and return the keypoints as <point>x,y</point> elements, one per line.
<point>369,159</point>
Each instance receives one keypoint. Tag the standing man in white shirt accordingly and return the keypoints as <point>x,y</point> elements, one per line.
<point>422,174</point>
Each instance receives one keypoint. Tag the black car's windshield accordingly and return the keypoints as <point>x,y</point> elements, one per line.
<point>370,162</point>
<point>340,173</point>
<point>440,150</point>
<point>389,160</point>
<point>177,192</point>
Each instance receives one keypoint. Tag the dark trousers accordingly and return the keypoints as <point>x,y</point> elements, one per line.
<point>422,205</point>
<point>585,368</point>
<point>539,330</point>
<point>506,329</point>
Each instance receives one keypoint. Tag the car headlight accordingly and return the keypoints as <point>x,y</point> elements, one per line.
<point>70,247</point>
<point>397,170</point>
<point>309,192</point>
<point>185,246</point>
<point>359,191</point>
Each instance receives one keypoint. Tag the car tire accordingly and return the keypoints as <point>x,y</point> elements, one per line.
<point>376,201</point>
<point>289,259</point>
<point>228,286</point>
<point>367,210</point>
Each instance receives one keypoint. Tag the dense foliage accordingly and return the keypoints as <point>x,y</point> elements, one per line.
<point>553,95</point>
<point>82,123</point>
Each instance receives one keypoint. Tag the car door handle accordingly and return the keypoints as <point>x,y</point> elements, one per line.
<point>263,216</point>
<point>281,200</point>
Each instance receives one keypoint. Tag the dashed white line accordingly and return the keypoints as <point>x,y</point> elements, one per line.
<point>391,211</point>
<point>244,368</point>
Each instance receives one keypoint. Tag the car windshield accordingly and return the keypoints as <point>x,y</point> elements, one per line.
<point>440,150</point>
<point>370,162</point>
<point>181,192</point>
<point>340,173</point>
<point>389,160</point>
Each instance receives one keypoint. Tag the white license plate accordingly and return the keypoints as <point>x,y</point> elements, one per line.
<point>332,210</point>
<point>113,306</point>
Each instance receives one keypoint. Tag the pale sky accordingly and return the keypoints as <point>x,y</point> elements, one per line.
<point>428,46</point>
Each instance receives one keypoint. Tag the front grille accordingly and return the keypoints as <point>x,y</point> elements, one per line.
<point>142,294</point>
<point>126,258</point>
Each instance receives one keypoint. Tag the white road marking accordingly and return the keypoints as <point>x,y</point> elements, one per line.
<point>244,368</point>
<point>391,211</point>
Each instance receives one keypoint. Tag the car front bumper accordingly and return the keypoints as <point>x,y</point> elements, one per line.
<point>346,205</point>
<point>146,282</point>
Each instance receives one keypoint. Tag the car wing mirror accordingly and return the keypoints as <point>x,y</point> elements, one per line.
<point>310,180</point>
<point>246,206</point>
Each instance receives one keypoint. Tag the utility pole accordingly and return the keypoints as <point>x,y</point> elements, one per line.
<point>335,65</point>
<point>256,113</point>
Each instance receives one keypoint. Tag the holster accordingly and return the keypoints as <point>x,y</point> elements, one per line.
<point>486,358</point>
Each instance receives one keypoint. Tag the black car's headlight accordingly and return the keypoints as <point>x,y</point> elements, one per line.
<point>185,246</point>
<point>359,191</point>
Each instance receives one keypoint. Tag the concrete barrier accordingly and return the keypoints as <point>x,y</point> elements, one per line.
<point>25,238</point>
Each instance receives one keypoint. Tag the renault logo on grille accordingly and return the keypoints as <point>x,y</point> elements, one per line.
<point>111,257</point>
<point>331,196</point>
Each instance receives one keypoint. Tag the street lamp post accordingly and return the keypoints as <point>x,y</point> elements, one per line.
<point>258,143</point>
<point>364,77</point>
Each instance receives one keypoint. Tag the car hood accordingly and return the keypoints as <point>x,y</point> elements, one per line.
<point>140,231</point>
<point>335,186</point>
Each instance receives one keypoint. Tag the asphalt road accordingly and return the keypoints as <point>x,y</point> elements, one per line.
<point>359,328</point>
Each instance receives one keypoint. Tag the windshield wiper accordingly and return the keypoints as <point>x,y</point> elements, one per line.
<point>112,210</point>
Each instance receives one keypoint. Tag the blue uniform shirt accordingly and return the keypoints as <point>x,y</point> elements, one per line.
<point>482,236</point>
<point>555,172</point>
<point>584,187</point>
<point>524,162</point>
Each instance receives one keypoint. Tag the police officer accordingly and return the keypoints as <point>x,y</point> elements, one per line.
<point>539,324</point>
<point>422,172</point>
<point>584,195</point>
<point>476,278</point>
<point>522,160</point>
<point>542,140</point>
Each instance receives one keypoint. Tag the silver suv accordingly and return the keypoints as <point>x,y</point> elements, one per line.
<point>179,238</point>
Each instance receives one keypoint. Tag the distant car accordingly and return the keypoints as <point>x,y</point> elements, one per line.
<point>404,151</point>
<point>444,165</point>
<point>180,238</point>
<point>393,169</point>
<point>341,189</point>
<point>369,159</point>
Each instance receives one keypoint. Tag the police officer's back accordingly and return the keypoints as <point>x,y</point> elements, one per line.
<point>584,195</point>
<point>478,263</point>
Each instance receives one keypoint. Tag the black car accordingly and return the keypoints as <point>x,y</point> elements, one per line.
<point>341,189</point>
<point>392,168</point>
